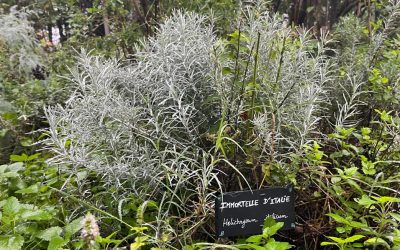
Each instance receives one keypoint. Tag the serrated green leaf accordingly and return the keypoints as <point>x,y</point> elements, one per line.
<point>353,238</point>
<point>251,246</point>
<point>10,175</point>
<point>29,190</point>
<point>33,157</point>
<point>358,245</point>
<point>269,222</point>
<point>271,226</point>
<point>36,215</point>
<point>11,206</point>
<point>357,224</point>
<point>337,240</point>
<point>338,218</point>
<point>375,241</point>
<point>335,179</point>
<point>276,245</point>
<point>19,158</point>
<point>56,243</point>
<point>14,242</point>
<point>73,227</point>
<point>368,167</point>
<point>340,230</point>
<point>27,228</point>
<point>354,185</point>
<point>365,201</point>
<point>49,233</point>
<point>386,199</point>
<point>139,242</point>
<point>350,171</point>
<point>254,239</point>
<point>26,142</point>
<point>26,207</point>
<point>15,167</point>
<point>366,131</point>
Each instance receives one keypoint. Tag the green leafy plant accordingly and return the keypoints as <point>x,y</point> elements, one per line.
<point>346,243</point>
<point>366,211</point>
<point>263,241</point>
<point>377,224</point>
<point>29,217</point>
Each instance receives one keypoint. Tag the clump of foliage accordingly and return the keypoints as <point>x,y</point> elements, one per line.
<point>357,176</point>
<point>19,37</point>
<point>30,215</point>
<point>276,79</point>
<point>150,115</point>
<point>20,54</point>
<point>263,241</point>
<point>25,85</point>
<point>142,110</point>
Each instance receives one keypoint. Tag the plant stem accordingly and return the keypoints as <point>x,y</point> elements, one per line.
<point>237,69</point>
<point>241,95</point>
<point>255,76</point>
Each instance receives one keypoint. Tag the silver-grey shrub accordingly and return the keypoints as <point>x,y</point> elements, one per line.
<point>349,92</point>
<point>120,121</point>
<point>140,126</point>
<point>19,36</point>
<point>292,75</point>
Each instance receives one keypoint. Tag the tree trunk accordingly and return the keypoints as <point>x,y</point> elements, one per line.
<point>137,14</point>
<point>106,21</point>
<point>147,16</point>
<point>333,9</point>
<point>50,32</point>
<point>156,10</point>
<point>61,30</point>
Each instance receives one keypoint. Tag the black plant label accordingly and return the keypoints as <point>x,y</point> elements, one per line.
<point>244,212</point>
